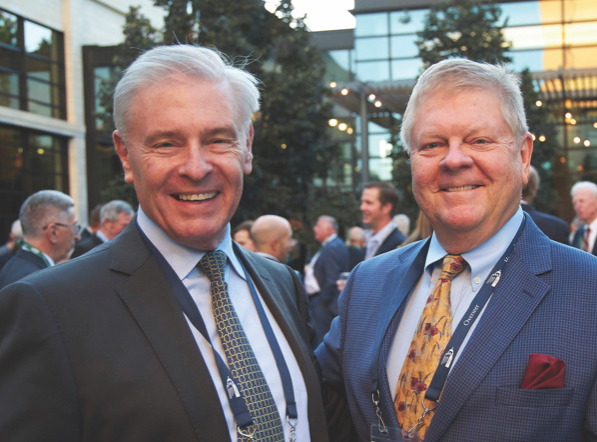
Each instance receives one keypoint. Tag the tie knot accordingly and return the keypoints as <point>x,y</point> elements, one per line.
<point>452,265</point>
<point>213,264</point>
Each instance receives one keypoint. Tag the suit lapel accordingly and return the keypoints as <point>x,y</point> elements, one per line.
<point>516,298</point>
<point>154,307</point>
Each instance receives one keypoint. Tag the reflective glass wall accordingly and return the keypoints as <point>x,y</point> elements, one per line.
<point>31,67</point>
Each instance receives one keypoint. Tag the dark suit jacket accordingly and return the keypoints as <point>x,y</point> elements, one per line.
<point>355,255</point>
<point>85,245</point>
<point>554,227</point>
<point>577,240</point>
<point>545,303</point>
<point>393,240</point>
<point>332,261</point>
<point>20,265</point>
<point>98,349</point>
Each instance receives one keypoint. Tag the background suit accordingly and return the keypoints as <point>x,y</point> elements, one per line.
<point>85,245</point>
<point>554,227</point>
<point>20,265</point>
<point>107,355</point>
<point>577,240</point>
<point>332,260</point>
<point>545,303</point>
<point>393,240</point>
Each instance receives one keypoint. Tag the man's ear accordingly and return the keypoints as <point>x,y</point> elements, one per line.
<point>51,234</point>
<point>526,151</point>
<point>248,165</point>
<point>123,154</point>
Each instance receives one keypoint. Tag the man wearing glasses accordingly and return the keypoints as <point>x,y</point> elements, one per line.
<point>50,231</point>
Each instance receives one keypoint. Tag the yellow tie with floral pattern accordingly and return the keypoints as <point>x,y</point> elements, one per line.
<point>429,341</point>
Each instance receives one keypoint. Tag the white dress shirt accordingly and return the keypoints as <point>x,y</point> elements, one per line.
<point>183,261</point>
<point>465,286</point>
<point>374,241</point>
<point>592,234</point>
<point>101,236</point>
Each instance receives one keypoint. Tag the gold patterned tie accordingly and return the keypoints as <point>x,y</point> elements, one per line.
<point>430,339</point>
<point>240,357</point>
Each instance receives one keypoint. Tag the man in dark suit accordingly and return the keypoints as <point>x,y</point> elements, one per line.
<point>488,299</point>
<point>114,216</point>
<point>378,203</point>
<point>324,269</point>
<point>178,334</point>
<point>584,199</point>
<point>554,227</point>
<point>50,230</point>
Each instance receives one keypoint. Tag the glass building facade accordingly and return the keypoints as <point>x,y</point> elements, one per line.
<point>555,39</point>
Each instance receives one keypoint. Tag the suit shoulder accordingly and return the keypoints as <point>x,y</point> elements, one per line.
<point>394,257</point>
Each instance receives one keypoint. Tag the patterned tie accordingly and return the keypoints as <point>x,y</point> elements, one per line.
<point>585,239</point>
<point>241,361</point>
<point>430,339</point>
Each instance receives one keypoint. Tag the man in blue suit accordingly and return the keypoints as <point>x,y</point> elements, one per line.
<point>326,266</point>
<point>519,316</point>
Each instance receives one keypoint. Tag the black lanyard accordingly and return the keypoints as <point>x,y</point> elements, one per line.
<point>236,400</point>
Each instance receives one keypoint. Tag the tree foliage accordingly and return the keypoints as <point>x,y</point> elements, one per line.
<point>465,29</point>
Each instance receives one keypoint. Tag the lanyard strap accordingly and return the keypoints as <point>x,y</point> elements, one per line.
<point>236,400</point>
<point>36,252</point>
<point>441,373</point>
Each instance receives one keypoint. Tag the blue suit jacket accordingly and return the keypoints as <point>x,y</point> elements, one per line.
<point>545,303</point>
<point>332,261</point>
<point>393,240</point>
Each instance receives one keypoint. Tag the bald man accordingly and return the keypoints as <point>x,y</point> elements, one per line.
<point>272,236</point>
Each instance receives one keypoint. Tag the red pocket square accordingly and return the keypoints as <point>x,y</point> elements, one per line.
<point>543,372</point>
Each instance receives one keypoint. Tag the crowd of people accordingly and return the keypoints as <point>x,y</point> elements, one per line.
<point>165,324</point>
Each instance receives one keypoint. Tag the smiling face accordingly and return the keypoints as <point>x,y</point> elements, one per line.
<point>468,169</point>
<point>186,154</point>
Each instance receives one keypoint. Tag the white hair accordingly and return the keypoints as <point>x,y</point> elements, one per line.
<point>164,62</point>
<point>458,74</point>
<point>584,185</point>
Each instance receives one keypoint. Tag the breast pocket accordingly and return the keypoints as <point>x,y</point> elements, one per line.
<point>526,415</point>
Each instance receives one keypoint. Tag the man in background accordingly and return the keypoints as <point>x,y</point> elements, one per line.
<point>356,246</point>
<point>584,200</point>
<point>94,222</point>
<point>553,227</point>
<point>378,203</point>
<point>9,249</point>
<point>242,235</point>
<point>323,272</point>
<point>114,216</point>
<point>50,230</point>
<point>272,236</point>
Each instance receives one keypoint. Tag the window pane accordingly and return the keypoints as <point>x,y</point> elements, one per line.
<point>9,83</point>
<point>406,69</point>
<point>372,24</point>
<point>43,70</point>
<point>8,28</point>
<point>40,40</point>
<point>341,58</point>
<point>402,22</point>
<point>371,48</point>
<point>40,109</point>
<point>373,70</point>
<point>9,59</point>
<point>526,13</point>
<point>527,37</point>
<point>526,59</point>
<point>579,10</point>
<point>581,33</point>
<point>404,46</point>
<point>380,169</point>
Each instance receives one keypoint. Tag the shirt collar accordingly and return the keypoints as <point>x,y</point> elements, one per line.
<point>329,239</point>
<point>593,225</point>
<point>482,258</point>
<point>101,236</point>
<point>182,258</point>
<point>384,232</point>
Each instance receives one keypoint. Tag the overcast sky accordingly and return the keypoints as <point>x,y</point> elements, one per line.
<point>322,15</point>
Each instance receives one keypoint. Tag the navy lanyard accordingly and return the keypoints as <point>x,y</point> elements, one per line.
<point>236,400</point>
<point>441,373</point>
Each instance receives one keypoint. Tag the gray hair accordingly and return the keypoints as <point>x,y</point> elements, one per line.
<point>584,185</point>
<point>111,210</point>
<point>40,209</point>
<point>163,62</point>
<point>457,74</point>
<point>331,220</point>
